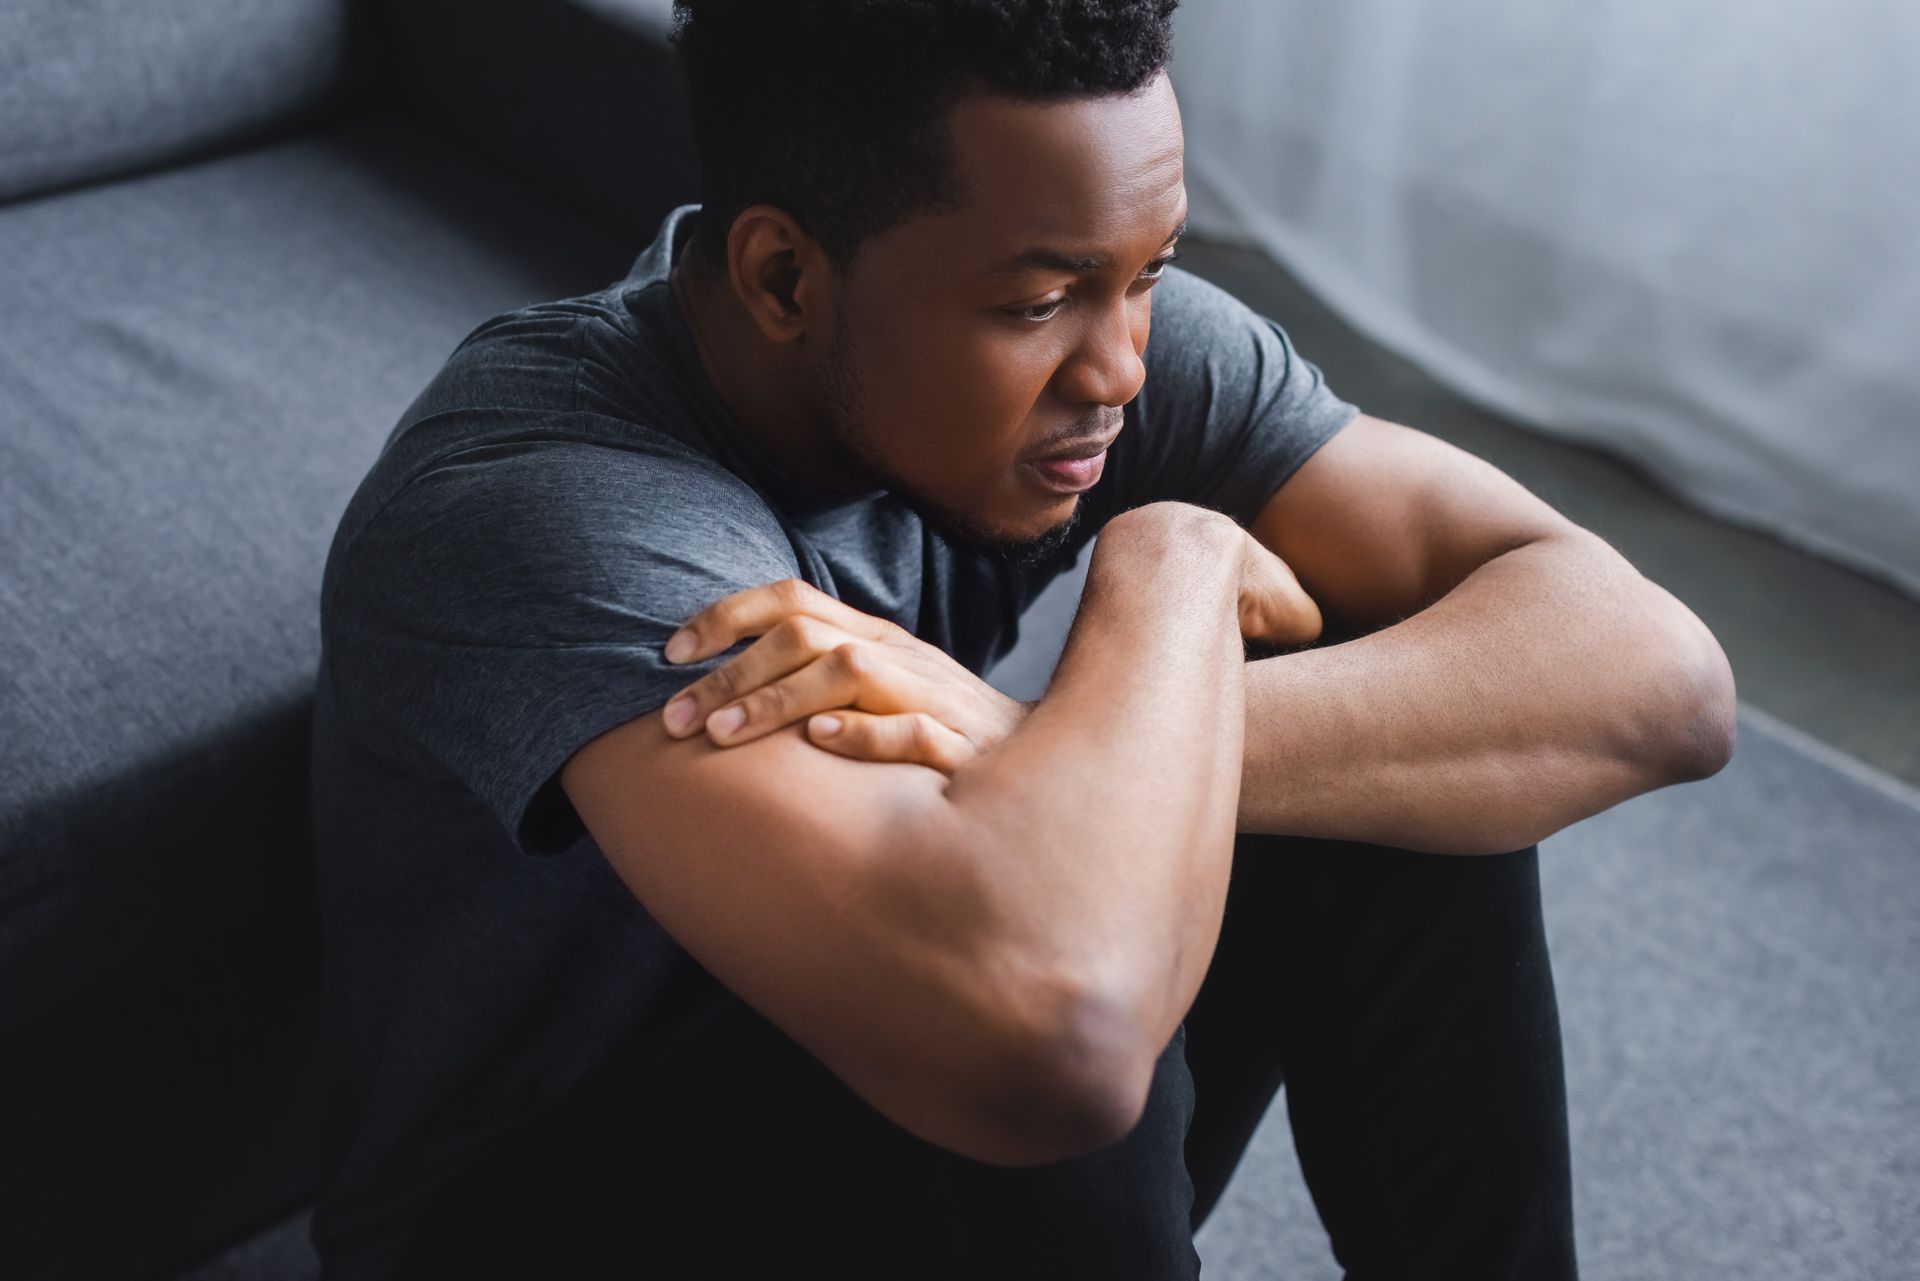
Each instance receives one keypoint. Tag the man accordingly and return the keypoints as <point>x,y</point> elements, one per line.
<point>887,974</point>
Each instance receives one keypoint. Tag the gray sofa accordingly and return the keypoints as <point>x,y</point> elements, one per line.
<point>236,238</point>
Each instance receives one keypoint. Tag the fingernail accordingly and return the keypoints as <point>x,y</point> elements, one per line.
<point>826,726</point>
<point>726,720</point>
<point>679,714</point>
<point>679,646</point>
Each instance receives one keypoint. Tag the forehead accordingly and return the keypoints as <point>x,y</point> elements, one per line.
<point>1093,176</point>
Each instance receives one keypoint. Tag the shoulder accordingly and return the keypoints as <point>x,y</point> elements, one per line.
<point>560,484</point>
<point>1209,348</point>
<point>1193,317</point>
<point>1227,409</point>
<point>547,422</point>
<point>1207,355</point>
<point>556,524</point>
<point>530,358</point>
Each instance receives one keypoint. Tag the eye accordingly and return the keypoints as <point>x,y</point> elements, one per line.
<point>1154,271</point>
<point>1160,265</point>
<point>1049,310</point>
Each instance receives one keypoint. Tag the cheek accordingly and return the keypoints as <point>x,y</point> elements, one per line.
<point>959,402</point>
<point>996,384</point>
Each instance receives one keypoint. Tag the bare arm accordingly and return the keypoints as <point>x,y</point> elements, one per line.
<point>1503,673</point>
<point>1551,683</point>
<point>993,958</point>
<point>1105,822</point>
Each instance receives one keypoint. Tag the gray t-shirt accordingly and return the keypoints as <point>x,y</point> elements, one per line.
<point>566,492</point>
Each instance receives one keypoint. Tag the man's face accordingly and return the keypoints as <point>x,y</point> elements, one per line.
<point>951,365</point>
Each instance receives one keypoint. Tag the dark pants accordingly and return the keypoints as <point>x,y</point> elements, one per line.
<point>1405,999</point>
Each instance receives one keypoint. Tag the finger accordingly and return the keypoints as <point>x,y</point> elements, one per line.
<point>787,647</point>
<point>1274,607</point>
<point>1282,614</point>
<point>850,675</point>
<point>754,610</point>
<point>914,737</point>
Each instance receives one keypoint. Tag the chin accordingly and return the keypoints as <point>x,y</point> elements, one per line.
<point>1028,545</point>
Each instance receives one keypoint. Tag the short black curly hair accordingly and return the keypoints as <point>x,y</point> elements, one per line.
<point>837,110</point>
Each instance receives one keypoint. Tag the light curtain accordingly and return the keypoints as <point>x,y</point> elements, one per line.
<point>1683,231</point>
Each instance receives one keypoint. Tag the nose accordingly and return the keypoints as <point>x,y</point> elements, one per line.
<point>1107,368</point>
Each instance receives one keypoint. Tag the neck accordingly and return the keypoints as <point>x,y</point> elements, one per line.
<point>760,383</point>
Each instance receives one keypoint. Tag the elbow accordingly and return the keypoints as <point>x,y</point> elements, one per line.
<point>1702,714</point>
<point>1070,1078</point>
<point>1074,1085</point>
<point>1712,727</point>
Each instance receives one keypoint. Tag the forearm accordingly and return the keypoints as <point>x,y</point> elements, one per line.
<point>1104,825</point>
<point>1550,684</point>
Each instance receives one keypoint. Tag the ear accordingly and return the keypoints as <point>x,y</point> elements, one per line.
<point>778,272</point>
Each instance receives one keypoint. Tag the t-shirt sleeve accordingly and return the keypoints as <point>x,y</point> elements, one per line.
<point>1227,412</point>
<point>512,603</point>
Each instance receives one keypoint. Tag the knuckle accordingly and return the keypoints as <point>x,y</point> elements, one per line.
<point>922,731</point>
<point>722,682</point>
<point>1160,528</point>
<point>806,633</point>
<point>769,702</point>
<point>791,592</point>
<point>851,660</point>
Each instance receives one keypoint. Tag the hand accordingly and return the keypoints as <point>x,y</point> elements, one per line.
<point>1273,606</point>
<point>894,697</point>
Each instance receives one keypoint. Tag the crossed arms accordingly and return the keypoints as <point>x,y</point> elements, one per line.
<point>988,918</point>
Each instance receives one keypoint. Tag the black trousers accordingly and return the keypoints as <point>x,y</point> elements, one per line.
<point>1404,999</point>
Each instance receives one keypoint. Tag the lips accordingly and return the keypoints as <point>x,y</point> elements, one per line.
<point>1072,468</point>
<point>1077,453</point>
<point>1084,449</point>
<point>1068,475</point>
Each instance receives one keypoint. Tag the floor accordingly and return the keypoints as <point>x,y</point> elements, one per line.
<point>1826,650</point>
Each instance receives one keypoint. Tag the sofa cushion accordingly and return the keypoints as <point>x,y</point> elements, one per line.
<point>196,368</point>
<point>96,87</point>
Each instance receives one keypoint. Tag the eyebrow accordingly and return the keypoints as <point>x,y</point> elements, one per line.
<point>1040,258</point>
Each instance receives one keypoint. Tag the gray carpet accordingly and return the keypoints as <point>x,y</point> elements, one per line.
<point>1738,970</point>
<point>1738,967</point>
